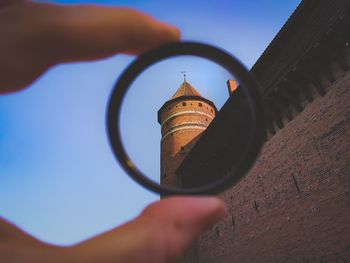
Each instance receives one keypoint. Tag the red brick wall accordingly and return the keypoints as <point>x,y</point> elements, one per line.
<point>294,206</point>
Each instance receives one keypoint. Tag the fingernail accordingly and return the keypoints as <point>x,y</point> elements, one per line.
<point>174,32</point>
<point>218,209</point>
<point>208,209</point>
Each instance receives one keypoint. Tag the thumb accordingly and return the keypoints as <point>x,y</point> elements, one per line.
<point>160,234</point>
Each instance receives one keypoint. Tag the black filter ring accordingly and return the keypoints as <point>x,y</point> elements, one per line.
<point>216,55</point>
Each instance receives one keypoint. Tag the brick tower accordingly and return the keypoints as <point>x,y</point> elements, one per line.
<point>183,118</point>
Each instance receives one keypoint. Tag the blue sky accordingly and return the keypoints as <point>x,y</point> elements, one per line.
<point>59,179</point>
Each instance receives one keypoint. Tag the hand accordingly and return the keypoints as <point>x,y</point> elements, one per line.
<point>160,234</point>
<point>35,37</point>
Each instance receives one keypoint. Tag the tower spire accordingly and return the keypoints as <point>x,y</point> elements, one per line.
<point>184,73</point>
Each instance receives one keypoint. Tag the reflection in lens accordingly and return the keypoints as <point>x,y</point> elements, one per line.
<point>192,155</point>
<point>221,149</point>
<point>185,106</point>
<point>183,118</point>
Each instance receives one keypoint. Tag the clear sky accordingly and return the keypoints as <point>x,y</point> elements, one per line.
<point>58,178</point>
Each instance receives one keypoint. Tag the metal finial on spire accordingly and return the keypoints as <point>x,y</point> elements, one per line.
<point>184,73</point>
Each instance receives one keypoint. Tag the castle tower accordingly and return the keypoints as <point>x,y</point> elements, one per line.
<point>183,118</point>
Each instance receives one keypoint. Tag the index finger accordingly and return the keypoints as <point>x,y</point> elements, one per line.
<point>36,36</point>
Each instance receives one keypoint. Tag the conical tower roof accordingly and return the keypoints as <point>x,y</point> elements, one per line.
<point>186,89</point>
<point>185,92</point>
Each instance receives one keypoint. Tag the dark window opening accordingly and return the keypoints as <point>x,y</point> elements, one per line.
<point>184,104</point>
<point>200,104</point>
<point>182,150</point>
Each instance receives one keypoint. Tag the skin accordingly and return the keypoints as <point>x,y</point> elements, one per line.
<point>35,37</point>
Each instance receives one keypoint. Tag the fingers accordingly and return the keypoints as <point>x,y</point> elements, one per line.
<point>91,32</point>
<point>190,215</point>
<point>160,234</point>
<point>183,220</point>
<point>36,36</point>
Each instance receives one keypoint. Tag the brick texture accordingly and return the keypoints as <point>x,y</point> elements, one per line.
<point>294,205</point>
<point>182,123</point>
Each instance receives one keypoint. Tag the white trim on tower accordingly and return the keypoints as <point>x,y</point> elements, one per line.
<point>183,126</point>
<point>186,112</point>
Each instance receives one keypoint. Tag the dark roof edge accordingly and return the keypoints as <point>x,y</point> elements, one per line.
<point>303,29</point>
<point>282,33</point>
